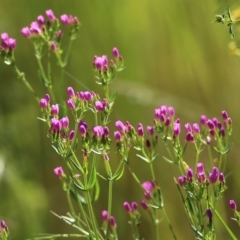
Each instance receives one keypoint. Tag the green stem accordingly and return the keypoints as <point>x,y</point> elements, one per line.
<point>90,209</point>
<point>110,188</point>
<point>223,223</point>
<point>47,82</point>
<point>83,212</point>
<point>70,202</point>
<point>169,224</point>
<point>21,76</point>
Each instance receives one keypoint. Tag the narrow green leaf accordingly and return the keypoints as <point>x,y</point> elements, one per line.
<point>143,158</point>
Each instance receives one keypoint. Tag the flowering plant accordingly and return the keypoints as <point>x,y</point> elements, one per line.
<point>84,147</point>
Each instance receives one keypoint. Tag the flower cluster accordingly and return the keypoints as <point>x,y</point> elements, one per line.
<point>112,222</point>
<point>107,69</point>
<point>41,27</point>
<point>7,48</point>
<point>7,44</point>
<point>214,177</point>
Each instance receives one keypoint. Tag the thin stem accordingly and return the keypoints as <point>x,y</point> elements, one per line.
<point>83,212</point>
<point>70,202</point>
<point>90,209</point>
<point>110,189</point>
<point>21,76</point>
<point>223,223</point>
<point>169,224</point>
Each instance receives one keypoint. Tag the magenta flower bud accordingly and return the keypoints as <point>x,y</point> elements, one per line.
<point>55,125</point>
<point>210,124</point>
<point>81,123</point>
<point>200,168</point>
<point>106,131</point>
<point>177,120</point>
<point>97,131</point>
<point>40,20</point>
<point>189,175</point>
<point>64,122</point>
<point>59,34</point>
<point>47,97</point>
<point>171,111</point>
<point>112,221</point>
<point>71,135</point>
<point>53,46</point>
<point>3,225</point>
<point>34,28</point>
<point>104,215</point>
<point>229,121</point>
<point>82,130</point>
<point>105,60</point>
<point>120,126</point>
<point>196,128</point>
<point>128,127</point>
<point>70,92</point>
<point>209,215</point>
<point>115,52</point>
<point>26,32</point>
<point>223,132</point>
<point>87,96</point>
<point>221,178</point>
<point>71,104</point>
<point>176,129</point>
<point>189,137</point>
<point>80,95</point>
<point>148,144</point>
<point>212,132</point>
<point>12,43</point>
<point>127,206</point>
<point>213,176</point>
<point>144,205</point>
<point>98,63</point>
<point>224,115</point>
<point>4,37</point>
<point>150,130</point>
<point>168,121</point>
<point>157,113</point>
<point>163,110</point>
<point>149,187</point>
<point>232,205</point>
<point>50,15</point>
<point>99,106</point>
<point>134,206</point>
<point>215,122</point>
<point>200,173</point>
<point>188,127</point>
<point>140,130</point>
<point>117,136</point>
<point>203,119</point>
<point>4,45</point>
<point>219,126</point>
<point>65,19</point>
<point>55,109</point>
<point>162,117</point>
<point>43,103</point>
<point>75,21</point>
<point>58,171</point>
<point>181,180</point>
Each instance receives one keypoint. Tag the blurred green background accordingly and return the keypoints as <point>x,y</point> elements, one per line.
<point>174,56</point>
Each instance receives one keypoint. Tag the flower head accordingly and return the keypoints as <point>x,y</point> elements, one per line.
<point>50,15</point>
<point>232,204</point>
<point>149,187</point>
<point>58,171</point>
